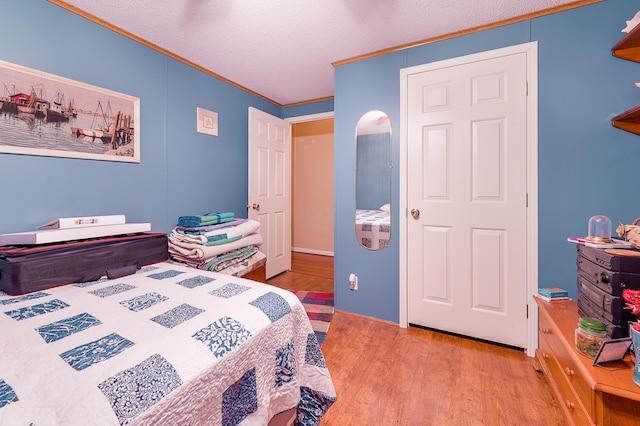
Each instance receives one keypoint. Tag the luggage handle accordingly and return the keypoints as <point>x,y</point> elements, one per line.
<point>122,272</point>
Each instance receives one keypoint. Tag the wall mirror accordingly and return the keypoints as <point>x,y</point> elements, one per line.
<point>373,180</point>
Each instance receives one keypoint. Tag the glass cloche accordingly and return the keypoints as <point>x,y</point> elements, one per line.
<point>599,229</point>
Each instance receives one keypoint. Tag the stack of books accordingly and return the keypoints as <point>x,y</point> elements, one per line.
<point>552,294</point>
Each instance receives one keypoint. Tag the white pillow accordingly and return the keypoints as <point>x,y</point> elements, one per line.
<point>386,208</point>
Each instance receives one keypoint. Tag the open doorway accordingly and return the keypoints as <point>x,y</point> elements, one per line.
<point>312,190</point>
<point>312,212</point>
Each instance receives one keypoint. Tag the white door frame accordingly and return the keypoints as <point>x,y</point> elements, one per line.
<point>531,50</point>
<point>310,117</point>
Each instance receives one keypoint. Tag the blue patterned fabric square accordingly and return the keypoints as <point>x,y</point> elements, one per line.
<point>366,227</point>
<point>273,305</point>
<point>166,274</point>
<point>366,242</point>
<point>285,364</point>
<point>222,336</point>
<point>146,269</point>
<point>312,406</point>
<point>240,399</point>
<point>18,299</point>
<point>195,281</point>
<point>177,315</point>
<point>7,394</point>
<point>94,352</point>
<point>90,283</point>
<point>229,290</point>
<point>35,310</point>
<point>111,290</point>
<point>134,390</point>
<point>313,354</point>
<point>143,301</point>
<point>66,327</point>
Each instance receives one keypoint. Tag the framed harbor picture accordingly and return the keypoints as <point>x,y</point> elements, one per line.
<point>49,115</point>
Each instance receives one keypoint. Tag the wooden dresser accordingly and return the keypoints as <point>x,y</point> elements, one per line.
<point>587,394</point>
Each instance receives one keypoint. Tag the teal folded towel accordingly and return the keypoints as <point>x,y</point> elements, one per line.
<point>205,219</point>
<point>217,240</point>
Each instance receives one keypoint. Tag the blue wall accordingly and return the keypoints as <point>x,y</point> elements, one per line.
<point>308,108</point>
<point>586,166</point>
<point>180,172</point>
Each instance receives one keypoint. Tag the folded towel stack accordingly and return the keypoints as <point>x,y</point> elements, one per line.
<point>214,241</point>
<point>205,219</point>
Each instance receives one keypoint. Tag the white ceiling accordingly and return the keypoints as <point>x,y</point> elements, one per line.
<point>283,50</point>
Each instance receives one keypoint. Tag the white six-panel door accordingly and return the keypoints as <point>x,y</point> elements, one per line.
<point>466,184</point>
<point>269,195</point>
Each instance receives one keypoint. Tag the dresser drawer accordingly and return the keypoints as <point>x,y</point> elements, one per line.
<point>565,356</point>
<point>604,396</point>
<point>568,400</point>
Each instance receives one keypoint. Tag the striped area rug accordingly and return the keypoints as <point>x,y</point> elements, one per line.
<point>319,307</point>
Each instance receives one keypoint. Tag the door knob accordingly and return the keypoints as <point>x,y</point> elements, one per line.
<point>256,206</point>
<point>415,213</point>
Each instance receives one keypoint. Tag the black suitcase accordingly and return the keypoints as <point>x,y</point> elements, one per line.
<point>33,268</point>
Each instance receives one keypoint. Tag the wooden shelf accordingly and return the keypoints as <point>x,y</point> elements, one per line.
<point>629,46</point>
<point>628,120</point>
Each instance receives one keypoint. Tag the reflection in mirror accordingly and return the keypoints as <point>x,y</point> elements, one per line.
<point>373,180</point>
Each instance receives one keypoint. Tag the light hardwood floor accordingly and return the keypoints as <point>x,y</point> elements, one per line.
<point>386,375</point>
<point>309,272</point>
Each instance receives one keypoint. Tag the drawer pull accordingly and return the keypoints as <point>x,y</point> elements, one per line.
<point>569,372</point>
<point>545,355</point>
<point>570,405</point>
<point>546,331</point>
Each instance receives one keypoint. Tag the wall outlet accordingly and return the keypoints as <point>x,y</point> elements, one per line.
<point>353,282</point>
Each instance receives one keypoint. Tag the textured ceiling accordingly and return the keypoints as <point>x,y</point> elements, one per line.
<point>283,50</point>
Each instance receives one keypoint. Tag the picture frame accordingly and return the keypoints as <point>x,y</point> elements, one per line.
<point>207,122</point>
<point>612,350</point>
<point>48,115</point>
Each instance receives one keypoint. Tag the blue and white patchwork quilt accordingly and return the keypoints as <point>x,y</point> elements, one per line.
<point>168,345</point>
<point>373,228</point>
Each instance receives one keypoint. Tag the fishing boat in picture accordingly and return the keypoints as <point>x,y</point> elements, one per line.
<point>104,131</point>
<point>71,110</point>
<point>116,131</point>
<point>55,110</point>
<point>9,98</point>
<point>41,107</point>
<point>27,106</point>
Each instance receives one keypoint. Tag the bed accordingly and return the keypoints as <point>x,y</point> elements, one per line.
<point>167,345</point>
<point>373,228</point>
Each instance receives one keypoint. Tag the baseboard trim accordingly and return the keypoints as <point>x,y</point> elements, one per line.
<point>312,251</point>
